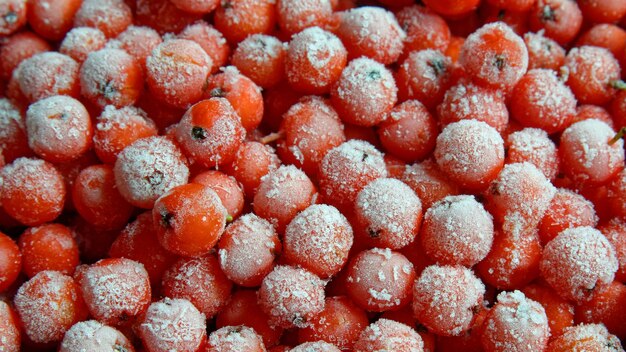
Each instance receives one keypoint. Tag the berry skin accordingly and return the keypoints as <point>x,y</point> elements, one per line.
<point>34,182</point>
<point>247,250</point>
<point>409,132</point>
<point>592,73</point>
<point>586,156</point>
<point>48,305</point>
<point>388,213</point>
<point>311,128</point>
<point>380,280</point>
<point>318,239</point>
<point>585,337</point>
<point>365,93</point>
<point>579,263</point>
<point>48,247</point>
<point>494,56</point>
<point>515,323</point>
<point>346,169</point>
<point>314,61</point>
<point>91,335</point>
<point>9,328</point>
<point>199,280</point>
<point>446,298</point>
<point>457,230</point>
<point>389,335</point>
<point>176,72</point>
<point>211,132</point>
<point>116,290</point>
<point>59,128</point>
<point>282,194</point>
<point>147,169</point>
<point>111,77</point>
<point>291,296</point>
<point>11,265</point>
<point>541,100</point>
<point>173,324</point>
<point>470,152</point>
<point>235,338</point>
<point>340,323</point>
<point>189,219</point>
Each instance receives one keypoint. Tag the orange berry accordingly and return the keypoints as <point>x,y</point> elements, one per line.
<point>147,169</point>
<point>585,337</point>
<point>291,296</point>
<point>17,48</point>
<point>446,298</point>
<point>91,335</point>
<point>59,128</point>
<point>372,32</point>
<point>116,290</point>
<point>189,219</point>
<point>227,189</point>
<point>48,305</point>
<point>35,183</point>
<point>282,194</point>
<point>47,74</point>
<point>314,61</point>
<point>176,72</point>
<point>388,335</point>
<point>494,56</point>
<point>380,280</point>
<point>10,266</point>
<point>173,324</point>
<point>560,312</point>
<point>112,17</point>
<point>243,94</point>
<point>388,213</point>
<point>311,128</point>
<point>81,41</point>
<point>235,338</point>
<point>261,58</point>
<point>111,77</point>
<point>211,40</point>
<point>237,19</point>
<point>48,247</point>
<point>318,239</point>
<point>12,16</point>
<point>365,93</point>
<point>579,264</point>
<point>515,323</point>
<point>248,249</point>
<point>116,129</point>
<point>199,280</point>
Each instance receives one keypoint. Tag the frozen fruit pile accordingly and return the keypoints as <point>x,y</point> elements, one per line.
<point>312,175</point>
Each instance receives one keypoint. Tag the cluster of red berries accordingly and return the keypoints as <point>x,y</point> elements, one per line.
<point>312,175</point>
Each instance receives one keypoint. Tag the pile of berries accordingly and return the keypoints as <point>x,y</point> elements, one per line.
<point>312,175</point>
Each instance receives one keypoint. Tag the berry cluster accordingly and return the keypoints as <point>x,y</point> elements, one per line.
<point>312,175</point>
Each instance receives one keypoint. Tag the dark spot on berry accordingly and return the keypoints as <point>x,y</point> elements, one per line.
<point>198,132</point>
<point>373,233</point>
<point>166,220</point>
<point>227,4</point>
<point>501,14</point>
<point>420,328</point>
<point>547,14</point>
<point>374,75</point>
<point>108,90</point>
<point>155,179</point>
<point>298,320</point>
<point>364,157</point>
<point>10,17</point>
<point>438,66</point>
<point>217,92</point>
<point>119,348</point>
<point>500,61</point>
